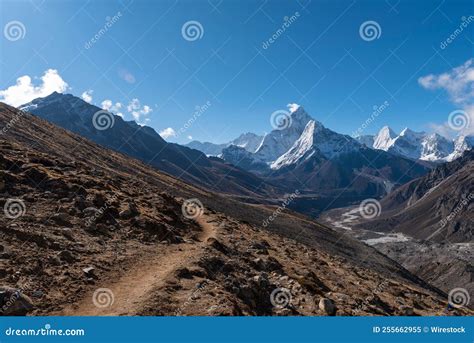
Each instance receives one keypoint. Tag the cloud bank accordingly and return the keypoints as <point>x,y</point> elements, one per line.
<point>25,90</point>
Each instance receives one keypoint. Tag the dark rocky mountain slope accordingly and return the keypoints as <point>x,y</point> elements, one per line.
<point>437,207</point>
<point>144,143</point>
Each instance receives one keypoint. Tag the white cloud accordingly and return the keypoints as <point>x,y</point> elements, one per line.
<point>459,84</point>
<point>140,113</point>
<point>190,137</point>
<point>167,133</point>
<point>116,108</point>
<point>293,107</point>
<point>25,90</point>
<point>87,96</point>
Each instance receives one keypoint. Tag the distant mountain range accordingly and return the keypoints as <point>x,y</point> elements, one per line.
<point>418,145</point>
<point>285,147</point>
<point>331,169</point>
<point>327,168</point>
<point>248,141</point>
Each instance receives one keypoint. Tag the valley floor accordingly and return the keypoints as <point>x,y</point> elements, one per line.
<point>445,265</point>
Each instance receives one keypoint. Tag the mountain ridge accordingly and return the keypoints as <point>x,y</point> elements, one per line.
<point>430,147</point>
<point>146,144</point>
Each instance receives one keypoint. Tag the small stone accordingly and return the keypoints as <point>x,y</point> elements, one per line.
<point>62,219</point>
<point>90,211</point>
<point>327,305</point>
<point>37,294</point>
<point>54,260</point>
<point>89,271</point>
<point>407,311</point>
<point>130,211</point>
<point>66,256</point>
<point>15,303</point>
<point>4,252</point>
<point>67,233</point>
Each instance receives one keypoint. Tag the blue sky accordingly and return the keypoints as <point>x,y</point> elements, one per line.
<point>320,60</point>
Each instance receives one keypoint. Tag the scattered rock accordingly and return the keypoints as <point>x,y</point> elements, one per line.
<point>54,260</point>
<point>267,264</point>
<point>68,234</point>
<point>89,272</point>
<point>66,256</point>
<point>13,302</point>
<point>184,273</point>
<point>90,211</point>
<point>130,211</point>
<point>61,219</point>
<point>311,282</point>
<point>37,294</point>
<point>4,252</point>
<point>407,310</point>
<point>217,245</point>
<point>327,305</point>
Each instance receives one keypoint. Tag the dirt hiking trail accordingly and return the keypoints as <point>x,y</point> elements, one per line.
<point>128,294</point>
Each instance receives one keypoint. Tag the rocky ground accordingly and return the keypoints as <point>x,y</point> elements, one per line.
<point>87,231</point>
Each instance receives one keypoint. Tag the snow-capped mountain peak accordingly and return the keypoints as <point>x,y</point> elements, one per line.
<point>418,145</point>
<point>461,144</point>
<point>249,141</point>
<point>384,139</point>
<point>299,149</point>
<point>406,132</point>
<point>277,142</point>
<point>316,140</point>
